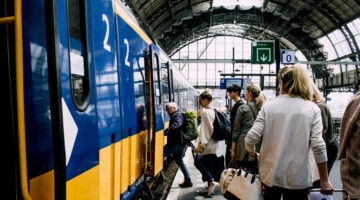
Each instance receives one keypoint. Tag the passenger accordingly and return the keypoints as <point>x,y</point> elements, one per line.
<point>234,94</point>
<point>245,117</point>
<point>349,148</point>
<point>329,135</point>
<point>175,141</point>
<point>207,149</point>
<point>290,126</point>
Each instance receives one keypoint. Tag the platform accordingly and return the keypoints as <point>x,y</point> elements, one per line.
<point>177,193</point>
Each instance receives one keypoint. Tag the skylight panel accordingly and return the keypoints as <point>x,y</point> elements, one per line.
<point>241,3</point>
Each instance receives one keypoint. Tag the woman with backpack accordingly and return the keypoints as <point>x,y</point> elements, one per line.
<point>208,151</point>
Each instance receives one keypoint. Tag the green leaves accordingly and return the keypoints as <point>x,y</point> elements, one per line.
<point>190,118</point>
<point>192,131</point>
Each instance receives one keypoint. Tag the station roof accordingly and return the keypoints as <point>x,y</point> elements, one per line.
<point>298,24</point>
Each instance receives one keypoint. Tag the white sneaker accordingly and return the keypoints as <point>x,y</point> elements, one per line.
<point>205,190</point>
<point>211,190</point>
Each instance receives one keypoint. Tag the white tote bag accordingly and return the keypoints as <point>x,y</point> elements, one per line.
<point>226,176</point>
<point>244,186</point>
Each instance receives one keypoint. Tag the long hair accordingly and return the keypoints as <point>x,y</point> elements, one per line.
<point>296,81</point>
<point>317,96</point>
<point>258,95</point>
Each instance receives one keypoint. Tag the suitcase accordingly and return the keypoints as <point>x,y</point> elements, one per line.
<point>314,194</point>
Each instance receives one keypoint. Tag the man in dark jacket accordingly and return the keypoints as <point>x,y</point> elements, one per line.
<point>234,94</point>
<point>176,142</point>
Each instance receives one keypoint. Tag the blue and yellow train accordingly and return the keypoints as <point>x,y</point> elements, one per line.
<point>84,89</point>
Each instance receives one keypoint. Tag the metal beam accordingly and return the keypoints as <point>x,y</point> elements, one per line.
<point>211,60</point>
<point>246,74</point>
<point>249,61</point>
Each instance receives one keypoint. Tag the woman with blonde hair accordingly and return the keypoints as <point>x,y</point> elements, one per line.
<point>290,127</point>
<point>245,117</point>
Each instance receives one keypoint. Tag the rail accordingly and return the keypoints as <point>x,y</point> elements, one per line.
<point>17,20</point>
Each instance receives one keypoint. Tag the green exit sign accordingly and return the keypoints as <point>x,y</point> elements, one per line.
<point>262,52</point>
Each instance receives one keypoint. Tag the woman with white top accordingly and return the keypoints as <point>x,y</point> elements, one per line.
<point>290,126</point>
<point>208,150</point>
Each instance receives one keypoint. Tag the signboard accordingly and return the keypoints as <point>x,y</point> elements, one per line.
<point>287,56</point>
<point>226,82</point>
<point>262,52</point>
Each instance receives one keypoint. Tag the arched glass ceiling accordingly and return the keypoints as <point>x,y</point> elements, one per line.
<point>212,59</point>
<point>242,3</point>
<point>341,48</point>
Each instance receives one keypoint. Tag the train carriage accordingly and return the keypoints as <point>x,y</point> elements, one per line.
<point>85,89</point>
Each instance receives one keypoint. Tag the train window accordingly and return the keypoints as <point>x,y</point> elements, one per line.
<point>79,78</point>
<point>139,88</point>
<point>171,86</point>
<point>157,79</point>
<point>165,81</point>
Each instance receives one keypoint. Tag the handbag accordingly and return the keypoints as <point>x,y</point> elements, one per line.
<point>227,175</point>
<point>245,184</point>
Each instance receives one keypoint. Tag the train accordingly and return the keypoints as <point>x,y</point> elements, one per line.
<point>84,91</point>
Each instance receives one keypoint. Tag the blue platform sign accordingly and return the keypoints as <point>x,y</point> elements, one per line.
<point>226,82</point>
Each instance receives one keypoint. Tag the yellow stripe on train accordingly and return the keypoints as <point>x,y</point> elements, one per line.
<point>123,13</point>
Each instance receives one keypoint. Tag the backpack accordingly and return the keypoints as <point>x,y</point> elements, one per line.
<point>191,132</point>
<point>222,126</point>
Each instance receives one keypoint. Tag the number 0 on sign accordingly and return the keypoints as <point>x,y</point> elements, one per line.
<point>287,56</point>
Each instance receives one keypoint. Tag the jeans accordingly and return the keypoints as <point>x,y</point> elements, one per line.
<point>178,151</point>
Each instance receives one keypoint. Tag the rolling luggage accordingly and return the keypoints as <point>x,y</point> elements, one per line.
<point>314,194</point>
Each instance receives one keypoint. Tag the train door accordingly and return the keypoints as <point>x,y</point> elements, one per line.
<point>108,109</point>
<point>155,103</point>
<point>51,106</point>
<point>77,99</point>
<point>133,94</point>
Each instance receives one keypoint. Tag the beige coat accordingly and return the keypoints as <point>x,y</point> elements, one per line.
<point>349,148</point>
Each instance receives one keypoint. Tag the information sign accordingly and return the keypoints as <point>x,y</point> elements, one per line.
<point>226,82</point>
<point>287,56</point>
<point>262,52</point>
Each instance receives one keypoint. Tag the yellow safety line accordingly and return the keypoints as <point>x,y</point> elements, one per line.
<point>7,20</point>
<point>20,99</point>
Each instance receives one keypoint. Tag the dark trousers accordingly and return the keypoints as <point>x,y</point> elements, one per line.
<point>178,152</point>
<point>275,193</point>
<point>210,166</point>
<point>227,155</point>
<point>331,150</point>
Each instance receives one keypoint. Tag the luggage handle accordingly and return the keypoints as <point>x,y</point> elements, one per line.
<point>335,190</point>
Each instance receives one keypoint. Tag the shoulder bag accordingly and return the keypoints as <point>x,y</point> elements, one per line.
<point>245,184</point>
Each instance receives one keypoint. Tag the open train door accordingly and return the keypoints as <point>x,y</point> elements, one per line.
<point>155,139</point>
